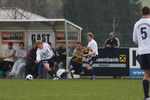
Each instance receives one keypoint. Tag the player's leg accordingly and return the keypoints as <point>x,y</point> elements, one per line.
<point>146,83</point>
<point>54,70</point>
<point>81,70</point>
<point>89,67</point>
<point>65,73</point>
<point>78,69</point>
<point>62,74</point>
<point>52,66</point>
<point>47,67</point>
<point>145,64</point>
<point>70,68</point>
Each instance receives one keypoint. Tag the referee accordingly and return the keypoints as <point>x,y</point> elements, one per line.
<point>141,36</point>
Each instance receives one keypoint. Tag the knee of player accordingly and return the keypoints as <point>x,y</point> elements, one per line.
<point>68,70</point>
<point>81,73</point>
<point>87,65</point>
<point>146,77</point>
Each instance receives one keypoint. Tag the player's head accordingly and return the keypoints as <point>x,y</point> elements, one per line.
<point>21,45</point>
<point>78,45</point>
<point>90,36</point>
<point>39,44</point>
<point>111,35</point>
<point>145,11</point>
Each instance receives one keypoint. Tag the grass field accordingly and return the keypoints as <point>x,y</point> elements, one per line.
<point>80,89</point>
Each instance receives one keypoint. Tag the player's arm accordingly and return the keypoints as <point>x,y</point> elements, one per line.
<point>88,49</point>
<point>91,54</point>
<point>135,39</point>
<point>85,49</point>
<point>38,57</point>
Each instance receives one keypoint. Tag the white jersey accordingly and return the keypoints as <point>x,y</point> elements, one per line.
<point>45,53</point>
<point>93,45</point>
<point>141,35</point>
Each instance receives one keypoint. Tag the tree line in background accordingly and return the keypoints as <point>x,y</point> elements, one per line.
<point>104,16</point>
<point>97,16</point>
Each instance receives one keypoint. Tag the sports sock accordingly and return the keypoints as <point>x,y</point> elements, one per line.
<point>50,73</point>
<point>63,74</point>
<point>91,71</point>
<point>54,72</point>
<point>72,75</point>
<point>146,88</point>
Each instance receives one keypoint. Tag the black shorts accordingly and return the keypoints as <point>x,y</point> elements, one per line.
<point>76,67</point>
<point>50,61</point>
<point>144,61</point>
<point>92,60</point>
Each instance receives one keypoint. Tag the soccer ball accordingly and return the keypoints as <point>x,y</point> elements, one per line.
<point>29,77</point>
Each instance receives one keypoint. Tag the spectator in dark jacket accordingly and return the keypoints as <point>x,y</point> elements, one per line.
<point>31,65</point>
<point>62,56</point>
<point>112,41</point>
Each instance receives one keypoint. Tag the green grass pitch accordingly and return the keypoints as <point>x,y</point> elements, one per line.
<point>77,89</point>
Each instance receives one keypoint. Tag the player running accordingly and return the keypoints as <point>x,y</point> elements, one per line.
<point>75,62</point>
<point>44,56</point>
<point>141,36</point>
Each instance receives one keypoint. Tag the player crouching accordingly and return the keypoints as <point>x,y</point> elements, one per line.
<point>75,62</point>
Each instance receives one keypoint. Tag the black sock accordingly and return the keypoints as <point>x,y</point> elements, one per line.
<point>146,88</point>
<point>63,74</point>
<point>50,73</point>
<point>54,72</point>
<point>72,75</point>
<point>91,72</point>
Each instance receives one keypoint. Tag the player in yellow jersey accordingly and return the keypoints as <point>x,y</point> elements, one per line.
<point>75,62</point>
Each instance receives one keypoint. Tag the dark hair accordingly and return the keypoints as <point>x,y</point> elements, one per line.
<point>79,43</point>
<point>145,11</point>
<point>21,43</point>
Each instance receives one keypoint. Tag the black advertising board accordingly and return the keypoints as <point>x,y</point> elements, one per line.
<point>111,62</point>
<point>12,36</point>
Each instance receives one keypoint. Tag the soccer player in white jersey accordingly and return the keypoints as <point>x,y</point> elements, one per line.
<point>92,54</point>
<point>141,36</point>
<point>45,55</point>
